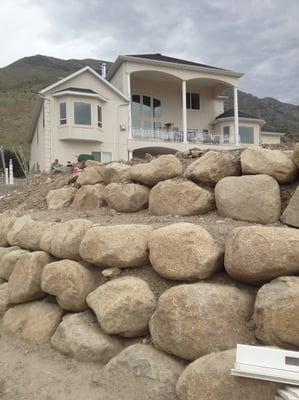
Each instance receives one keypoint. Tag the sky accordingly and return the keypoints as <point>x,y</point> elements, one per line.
<point>257,37</point>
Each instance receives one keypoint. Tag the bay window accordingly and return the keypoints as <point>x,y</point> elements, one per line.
<point>100,122</point>
<point>82,113</point>
<point>62,114</point>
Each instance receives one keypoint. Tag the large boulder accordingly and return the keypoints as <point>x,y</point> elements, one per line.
<point>89,176</point>
<point>16,228</point>
<point>63,240</point>
<point>193,320</point>
<point>79,336</point>
<point>276,313</point>
<point>258,254</point>
<point>119,246</point>
<point>249,198</point>
<point>290,215</point>
<point>29,235</point>
<point>123,306</point>
<point>5,250</point>
<point>256,160</point>
<point>60,198</point>
<point>35,322</point>
<point>184,252</point>
<point>213,166</point>
<point>70,282</point>
<point>4,301</point>
<point>296,154</point>
<point>7,221</point>
<point>9,261</point>
<point>25,280</point>
<point>89,197</point>
<point>159,169</point>
<point>209,378</point>
<point>128,197</point>
<point>116,173</point>
<point>141,372</point>
<point>173,197</point>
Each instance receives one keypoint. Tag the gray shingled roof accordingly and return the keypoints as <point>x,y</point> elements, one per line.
<point>73,89</point>
<point>242,114</point>
<point>161,57</point>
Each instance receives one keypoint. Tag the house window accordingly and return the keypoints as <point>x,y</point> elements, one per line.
<point>100,122</point>
<point>146,112</point>
<point>82,113</point>
<point>102,156</point>
<point>226,134</point>
<point>156,108</point>
<point>193,101</point>
<point>106,156</point>
<point>246,134</point>
<point>62,113</point>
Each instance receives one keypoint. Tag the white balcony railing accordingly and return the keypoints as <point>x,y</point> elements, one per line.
<point>173,136</point>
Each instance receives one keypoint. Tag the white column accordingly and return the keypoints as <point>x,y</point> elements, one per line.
<point>130,107</point>
<point>184,112</point>
<point>236,116</point>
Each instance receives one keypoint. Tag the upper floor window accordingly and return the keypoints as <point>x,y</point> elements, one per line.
<point>193,101</point>
<point>62,113</point>
<point>82,113</point>
<point>100,122</point>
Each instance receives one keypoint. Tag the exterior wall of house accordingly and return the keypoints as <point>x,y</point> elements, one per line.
<point>38,146</point>
<point>270,139</point>
<point>224,122</point>
<point>66,142</point>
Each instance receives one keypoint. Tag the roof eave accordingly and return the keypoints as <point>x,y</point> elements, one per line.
<point>257,120</point>
<point>81,94</point>
<point>36,112</point>
<point>140,60</point>
<point>80,71</point>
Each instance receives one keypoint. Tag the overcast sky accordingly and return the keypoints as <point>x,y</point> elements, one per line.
<point>257,37</point>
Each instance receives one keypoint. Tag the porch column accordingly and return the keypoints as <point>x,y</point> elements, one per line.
<point>130,106</point>
<point>236,116</point>
<point>184,112</point>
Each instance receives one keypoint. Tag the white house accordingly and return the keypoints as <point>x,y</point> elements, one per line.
<point>147,103</point>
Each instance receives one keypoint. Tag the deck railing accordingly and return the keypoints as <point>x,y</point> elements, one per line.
<point>176,136</point>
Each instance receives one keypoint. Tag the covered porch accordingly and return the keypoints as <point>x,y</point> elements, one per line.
<point>166,108</point>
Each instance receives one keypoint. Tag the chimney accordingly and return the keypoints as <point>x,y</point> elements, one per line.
<point>103,70</point>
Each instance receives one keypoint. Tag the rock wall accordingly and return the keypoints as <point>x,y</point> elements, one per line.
<point>57,291</point>
<point>243,187</point>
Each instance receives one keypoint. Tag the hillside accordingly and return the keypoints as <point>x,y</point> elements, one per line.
<point>20,81</point>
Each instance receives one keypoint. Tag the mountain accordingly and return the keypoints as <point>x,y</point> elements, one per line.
<point>279,117</point>
<point>21,80</point>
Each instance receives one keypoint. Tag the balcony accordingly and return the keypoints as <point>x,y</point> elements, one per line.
<point>176,136</point>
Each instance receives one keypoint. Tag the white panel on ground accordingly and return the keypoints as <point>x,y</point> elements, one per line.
<point>267,363</point>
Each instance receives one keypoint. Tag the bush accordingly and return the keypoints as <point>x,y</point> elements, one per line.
<point>85,157</point>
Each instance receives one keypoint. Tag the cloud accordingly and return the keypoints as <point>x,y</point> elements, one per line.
<point>259,38</point>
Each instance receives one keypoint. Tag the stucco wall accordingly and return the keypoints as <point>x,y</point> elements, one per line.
<point>171,102</point>
<point>270,139</point>
<point>38,155</point>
